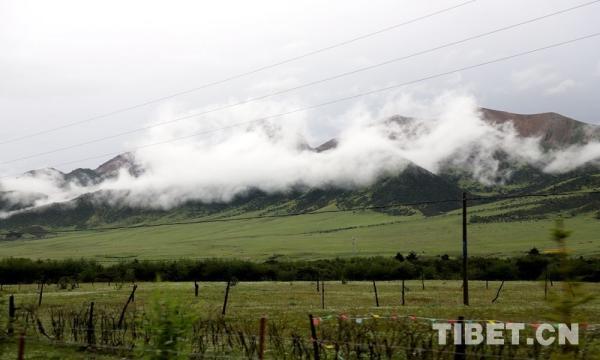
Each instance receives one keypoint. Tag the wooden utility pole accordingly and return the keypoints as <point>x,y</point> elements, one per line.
<point>464,250</point>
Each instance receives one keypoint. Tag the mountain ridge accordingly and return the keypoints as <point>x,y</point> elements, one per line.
<point>414,184</point>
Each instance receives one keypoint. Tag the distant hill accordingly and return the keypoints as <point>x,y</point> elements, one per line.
<point>555,130</point>
<point>414,184</point>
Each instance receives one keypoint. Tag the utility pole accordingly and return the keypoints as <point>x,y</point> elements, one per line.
<point>464,250</point>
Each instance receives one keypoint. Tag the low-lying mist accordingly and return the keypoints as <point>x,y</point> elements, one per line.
<point>276,155</point>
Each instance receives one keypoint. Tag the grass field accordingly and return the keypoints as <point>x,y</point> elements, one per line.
<point>287,304</point>
<point>313,236</point>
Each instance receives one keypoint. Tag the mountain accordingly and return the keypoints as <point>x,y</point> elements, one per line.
<point>555,130</point>
<point>120,162</point>
<point>414,184</point>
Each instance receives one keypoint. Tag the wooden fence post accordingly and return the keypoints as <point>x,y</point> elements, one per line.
<point>546,285</point>
<point>11,314</point>
<point>130,299</point>
<point>318,285</point>
<point>498,293</point>
<point>403,292</point>
<point>21,351</point>
<point>41,294</point>
<point>322,295</point>
<point>261,339</point>
<point>226,297</point>
<point>376,296</point>
<point>196,288</point>
<point>90,326</point>
<point>423,280</point>
<point>313,337</point>
<point>460,350</point>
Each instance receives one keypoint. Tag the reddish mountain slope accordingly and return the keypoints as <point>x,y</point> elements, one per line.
<point>555,130</point>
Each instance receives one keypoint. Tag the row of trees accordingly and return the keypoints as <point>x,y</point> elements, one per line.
<point>529,267</point>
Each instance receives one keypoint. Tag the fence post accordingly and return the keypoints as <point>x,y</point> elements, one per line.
<point>41,294</point>
<point>498,293</point>
<point>403,292</point>
<point>261,342</point>
<point>226,297</point>
<point>313,337</point>
<point>322,295</point>
<point>130,299</point>
<point>460,349</point>
<point>423,280</point>
<point>376,296</point>
<point>21,351</point>
<point>196,288</point>
<point>546,284</point>
<point>90,326</point>
<point>11,314</point>
<point>318,285</point>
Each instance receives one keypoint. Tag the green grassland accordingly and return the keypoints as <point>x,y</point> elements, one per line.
<point>288,304</point>
<point>325,235</point>
<point>442,299</point>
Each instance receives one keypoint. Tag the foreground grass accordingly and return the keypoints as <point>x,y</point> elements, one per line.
<point>289,303</point>
<point>519,300</point>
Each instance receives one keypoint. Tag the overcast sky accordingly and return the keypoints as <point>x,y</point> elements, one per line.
<point>66,61</point>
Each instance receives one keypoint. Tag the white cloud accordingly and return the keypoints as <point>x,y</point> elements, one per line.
<point>268,155</point>
<point>561,87</point>
<point>542,77</point>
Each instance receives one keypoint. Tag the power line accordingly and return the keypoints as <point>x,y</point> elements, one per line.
<point>353,209</point>
<point>243,74</point>
<point>338,100</point>
<point>302,86</point>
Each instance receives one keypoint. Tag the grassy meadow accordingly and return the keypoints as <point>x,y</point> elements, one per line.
<point>326,235</point>
<point>287,304</point>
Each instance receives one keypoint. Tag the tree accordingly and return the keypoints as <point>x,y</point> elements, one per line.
<point>405,271</point>
<point>412,256</point>
<point>572,295</point>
